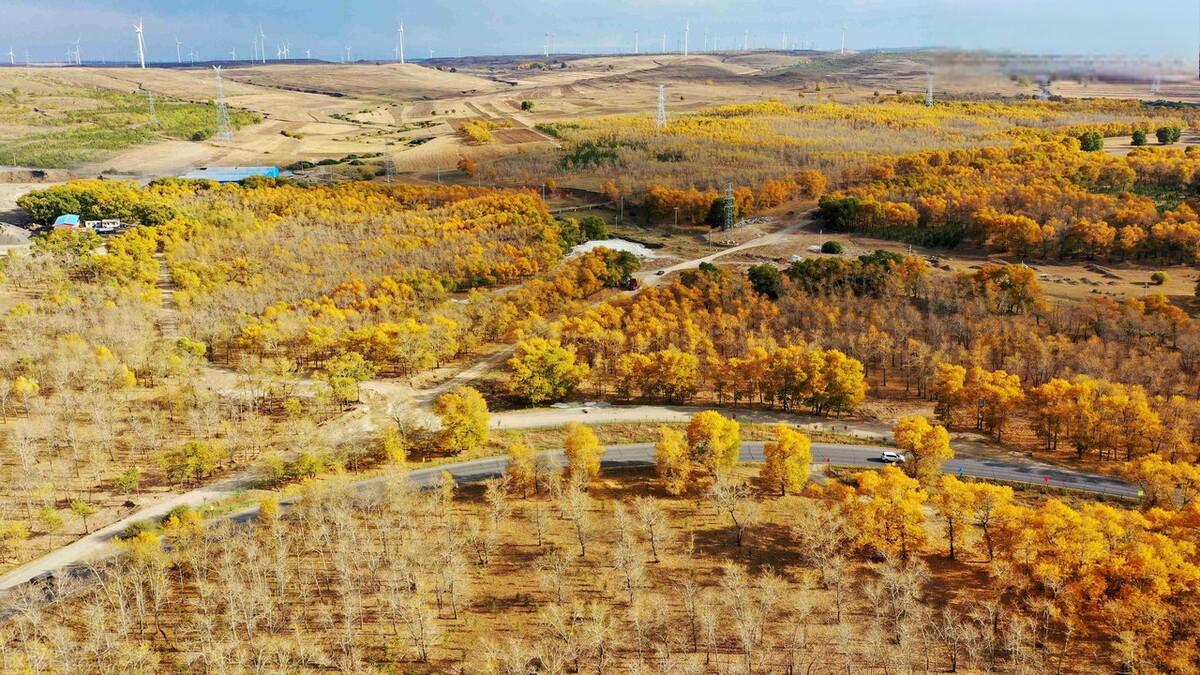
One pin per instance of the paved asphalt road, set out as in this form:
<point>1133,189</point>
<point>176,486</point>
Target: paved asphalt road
<point>640,455</point>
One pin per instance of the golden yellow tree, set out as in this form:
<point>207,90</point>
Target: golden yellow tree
<point>522,468</point>
<point>788,460</point>
<point>464,416</point>
<point>956,502</point>
<point>714,440</point>
<point>927,446</point>
<point>583,451</point>
<point>672,462</point>
<point>544,370</point>
<point>887,512</point>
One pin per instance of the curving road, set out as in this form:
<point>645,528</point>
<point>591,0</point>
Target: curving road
<point>94,546</point>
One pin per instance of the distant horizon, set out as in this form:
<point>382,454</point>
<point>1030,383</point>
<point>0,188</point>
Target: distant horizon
<point>1065,59</point>
<point>475,28</point>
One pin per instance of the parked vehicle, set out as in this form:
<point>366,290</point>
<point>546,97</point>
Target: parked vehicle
<point>890,457</point>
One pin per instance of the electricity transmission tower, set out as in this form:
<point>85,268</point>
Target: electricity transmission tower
<point>729,203</point>
<point>660,120</point>
<point>153,111</point>
<point>224,132</point>
<point>929,93</point>
<point>389,168</point>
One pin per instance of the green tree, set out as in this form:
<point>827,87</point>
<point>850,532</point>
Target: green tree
<point>51,521</point>
<point>12,533</point>
<point>342,375</point>
<point>464,416</point>
<point>192,462</point>
<point>526,105</point>
<point>1159,278</point>
<point>1091,141</point>
<point>1139,137</point>
<point>766,280</point>
<point>716,212</point>
<point>128,480</point>
<point>593,227</point>
<point>83,511</point>
<point>1168,135</point>
<point>834,247</point>
<point>544,371</point>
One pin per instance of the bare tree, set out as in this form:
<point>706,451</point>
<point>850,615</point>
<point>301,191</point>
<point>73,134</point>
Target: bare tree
<point>539,519</point>
<point>732,497</point>
<point>654,524</point>
<point>554,573</point>
<point>575,505</point>
<point>630,562</point>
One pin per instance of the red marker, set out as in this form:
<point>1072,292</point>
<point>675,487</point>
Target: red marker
<point>1046,479</point>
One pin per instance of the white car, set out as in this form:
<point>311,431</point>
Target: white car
<point>889,457</point>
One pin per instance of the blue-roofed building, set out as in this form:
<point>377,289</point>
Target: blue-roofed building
<point>231,174</point>
<point>67,220</point>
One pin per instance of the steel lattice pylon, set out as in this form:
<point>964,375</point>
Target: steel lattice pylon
<point>224,130</point>
<point>660,120</point>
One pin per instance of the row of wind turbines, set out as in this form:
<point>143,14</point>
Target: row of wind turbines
<point>283,51</point>
<point>711,42</point>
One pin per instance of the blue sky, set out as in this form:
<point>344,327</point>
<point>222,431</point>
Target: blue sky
<point>214,27</point>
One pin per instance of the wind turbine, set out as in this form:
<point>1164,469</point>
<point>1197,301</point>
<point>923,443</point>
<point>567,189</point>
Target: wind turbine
<point>233,54</point>
<point>178,55</point>
<point>141,43</point>
<point>308,53</point>
<point>635,43</point>
<point>256,47</point>
<point>546,46</point>
<point>687,27</point>
<point>262,40</point>
<point>664,44</point>
<point>400,44</point>
<point>347,54</point>
<point>843,39</point>
<point>78,62</point>
<point>12,57</point>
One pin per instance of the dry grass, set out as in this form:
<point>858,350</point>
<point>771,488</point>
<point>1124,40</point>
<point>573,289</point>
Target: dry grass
<point>326,589</point>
